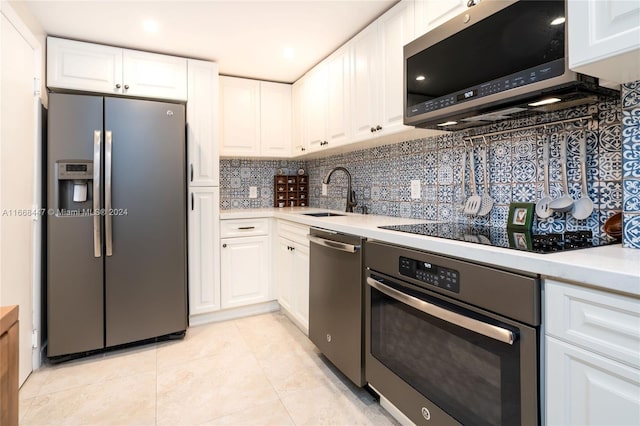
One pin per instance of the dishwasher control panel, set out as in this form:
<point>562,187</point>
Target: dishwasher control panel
<point>445,278</point>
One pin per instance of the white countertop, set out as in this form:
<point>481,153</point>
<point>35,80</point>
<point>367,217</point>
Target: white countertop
<point>610,267</point>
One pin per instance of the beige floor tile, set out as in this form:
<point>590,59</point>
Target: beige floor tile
<point>31,386</point>
<point>208,388</point>
<point>99,368</point>
<point>269,414</point>
<point>322,406</point>
<point>123,401</point>
<point>200,342</point>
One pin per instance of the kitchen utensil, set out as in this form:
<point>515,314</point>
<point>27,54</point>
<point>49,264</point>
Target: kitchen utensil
<point>486,202</point>
<point>472,206</point>
<point>565,202</point>
<point>613,226</point>
<point>463,173</point>
<point>583,206</point>
<point>542,206</point>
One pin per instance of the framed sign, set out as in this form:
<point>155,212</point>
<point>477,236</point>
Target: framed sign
<point>520,216</point>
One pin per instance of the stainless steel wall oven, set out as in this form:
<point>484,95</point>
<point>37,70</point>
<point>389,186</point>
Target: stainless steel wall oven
<point>451,342</point>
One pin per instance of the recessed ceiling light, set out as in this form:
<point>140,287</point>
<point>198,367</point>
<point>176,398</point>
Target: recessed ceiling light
<point>558,21</point>
<point>288,53</point>
<point>545,102</point>
<point>150,26</point>
<point>420,77</point>
<point>448,123</point>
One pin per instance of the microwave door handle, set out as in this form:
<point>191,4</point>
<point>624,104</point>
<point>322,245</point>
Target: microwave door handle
<point>471,324</point>
<point>97,235</point>
<point>336,245</point>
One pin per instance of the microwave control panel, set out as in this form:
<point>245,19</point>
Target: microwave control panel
<point>441,277</point>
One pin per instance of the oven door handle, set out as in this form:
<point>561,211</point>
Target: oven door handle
<point>488,330</point>
<point>337,245</point>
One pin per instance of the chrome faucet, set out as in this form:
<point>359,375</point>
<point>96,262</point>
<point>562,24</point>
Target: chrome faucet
<point>351,195</point>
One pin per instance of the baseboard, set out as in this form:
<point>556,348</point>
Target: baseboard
<point>233,313</point>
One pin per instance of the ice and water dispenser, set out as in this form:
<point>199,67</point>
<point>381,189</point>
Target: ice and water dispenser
<point>74,187</point>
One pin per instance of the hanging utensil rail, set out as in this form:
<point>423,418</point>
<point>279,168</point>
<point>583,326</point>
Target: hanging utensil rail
<point>534,126</point>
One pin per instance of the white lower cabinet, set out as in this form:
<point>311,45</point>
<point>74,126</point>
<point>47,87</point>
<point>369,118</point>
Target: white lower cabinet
<point>588,389</point>
<point>292,274</point>
<point>245,263</point>
<point>592,348</point>
<point>204,256</point>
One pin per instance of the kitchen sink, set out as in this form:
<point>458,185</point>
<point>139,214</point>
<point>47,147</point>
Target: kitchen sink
<point>323,214</point>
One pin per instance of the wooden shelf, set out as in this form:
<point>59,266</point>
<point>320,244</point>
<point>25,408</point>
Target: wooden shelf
<point>290,191</point>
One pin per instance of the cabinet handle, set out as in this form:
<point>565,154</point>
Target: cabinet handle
<point>191,172</point>
<point>244,228</point>
<point>192,201</point>
<point>304,149</point>
<point>126,87</point>
<point>224,246</point>
<point>118,86</point>
<point>378,127</point>
<point>373,129</point>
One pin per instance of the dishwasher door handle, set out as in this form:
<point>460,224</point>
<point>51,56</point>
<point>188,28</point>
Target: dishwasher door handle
<point>471,324</point>
<point>337,245</point>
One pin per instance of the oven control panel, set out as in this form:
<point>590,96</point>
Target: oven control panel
<point>445,278</point>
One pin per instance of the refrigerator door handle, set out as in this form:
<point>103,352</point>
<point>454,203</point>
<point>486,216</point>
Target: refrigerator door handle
<point>97,235</point>
<point>107,192</point>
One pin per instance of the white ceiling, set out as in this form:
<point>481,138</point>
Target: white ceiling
<point>246,38</point>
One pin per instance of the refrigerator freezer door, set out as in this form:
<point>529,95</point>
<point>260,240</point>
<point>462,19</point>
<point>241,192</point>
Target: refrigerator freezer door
<point>75,315</point>
<point>145,275</point>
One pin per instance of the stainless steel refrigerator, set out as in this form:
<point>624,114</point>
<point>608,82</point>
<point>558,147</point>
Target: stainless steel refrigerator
<point>116,222</point>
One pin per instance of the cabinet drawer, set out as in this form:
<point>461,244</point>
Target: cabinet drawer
<point>231,228</point>
<point>598,321</point>
<point>294,232</point>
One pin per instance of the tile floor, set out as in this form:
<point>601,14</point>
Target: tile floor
<point>258,370</point>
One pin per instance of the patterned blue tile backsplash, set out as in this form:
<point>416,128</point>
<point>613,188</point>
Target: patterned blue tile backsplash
<point>631,164</point>
<point>382,175</point>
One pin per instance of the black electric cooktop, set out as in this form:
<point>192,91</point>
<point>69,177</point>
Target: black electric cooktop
<point>531,241</point>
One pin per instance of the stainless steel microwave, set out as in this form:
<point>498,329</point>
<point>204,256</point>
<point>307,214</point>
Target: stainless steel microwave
<point>499,59</point>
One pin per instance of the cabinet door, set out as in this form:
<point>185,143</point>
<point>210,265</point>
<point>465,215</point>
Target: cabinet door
<point>604,39</point>
<point>395,30</point>
<point>202,123</point>
<point>339,94</point>
<point>245,271</point>
<point>301,285</point>
<point>204,255</point>
<point>275,119</point>
<point>586,389</point>
<point>284,276</point>
<point>83,66</point>
<point>316,95</point>
<point>240,116</point>
<point>299,116</point>
<point>151,75</point>
<point>365,83</point>
<point>431,13</point>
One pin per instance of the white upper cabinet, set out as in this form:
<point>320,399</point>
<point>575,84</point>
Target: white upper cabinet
<point>275,119</point>
<point>300,143</point>
<point>339,104</point>
<point>151,75</point>
<point>396,28</point>
<point>255,118</point>
<point>96,68</point>
<point>83,66</point>
<point>365,83</point>
<point>604,39</point>
<point>317,106</point>
<point>202,123</point>
<point>377,73</point>
<point>431,13</point>
<point>240,116</point>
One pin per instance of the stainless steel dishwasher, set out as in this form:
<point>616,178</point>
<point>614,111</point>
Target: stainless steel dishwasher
<point>336,310</point>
